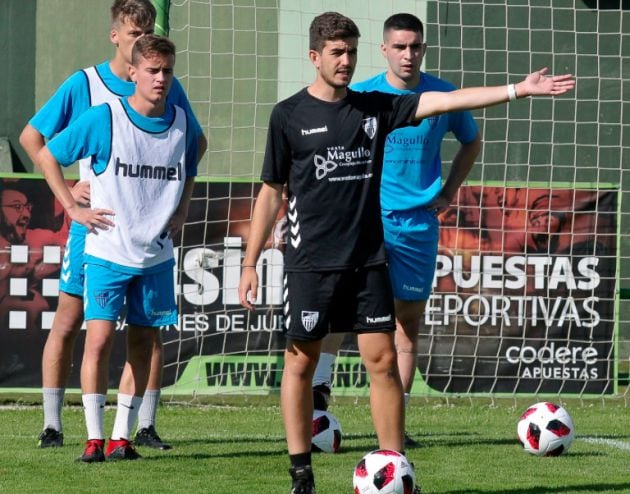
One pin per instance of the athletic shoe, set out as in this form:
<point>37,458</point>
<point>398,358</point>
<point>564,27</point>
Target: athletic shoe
<point>121,449</point>
<point>303,481</point>
<point>50,438</point>
<point>321,397</point>
<point>93,451</point>
<point>410,442</point>
<point>149,437</point>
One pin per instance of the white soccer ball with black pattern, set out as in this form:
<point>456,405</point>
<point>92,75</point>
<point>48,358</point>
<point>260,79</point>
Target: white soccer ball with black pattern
<point>384,472</point>
<point>326,432</point>
<point>546,429</point>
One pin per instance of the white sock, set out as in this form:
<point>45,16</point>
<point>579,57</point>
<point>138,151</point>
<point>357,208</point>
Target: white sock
<point>148,409</point>
<point>126,415</point>
<point>407,396</point>
<point>324,370</point>
<point>53,402</point>
<point>94,409</point>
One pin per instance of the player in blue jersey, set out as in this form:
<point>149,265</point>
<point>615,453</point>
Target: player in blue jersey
<point>326,143</point>
<point>144,158</point>
<point>412,195</point>
<point>104,82</point>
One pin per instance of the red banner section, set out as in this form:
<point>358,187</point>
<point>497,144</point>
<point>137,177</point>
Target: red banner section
<point>523,295</point>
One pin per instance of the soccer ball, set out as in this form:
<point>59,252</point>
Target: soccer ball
<point>545,429</point>
<point>326,432</point>
<point>384,472</point>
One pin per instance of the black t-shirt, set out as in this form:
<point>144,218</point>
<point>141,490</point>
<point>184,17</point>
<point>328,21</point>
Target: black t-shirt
<point>331,157</point>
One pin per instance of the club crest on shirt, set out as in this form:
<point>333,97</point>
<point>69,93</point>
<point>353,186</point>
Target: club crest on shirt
<point>102,298</point>
<point>309,319</point>
<point>369,126</point>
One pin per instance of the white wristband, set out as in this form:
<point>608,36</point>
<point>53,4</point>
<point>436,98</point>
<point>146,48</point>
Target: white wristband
<point>511,92</point>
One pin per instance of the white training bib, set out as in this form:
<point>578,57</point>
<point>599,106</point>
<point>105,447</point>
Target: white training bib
<point>99,94</point>
<point>142,183</point>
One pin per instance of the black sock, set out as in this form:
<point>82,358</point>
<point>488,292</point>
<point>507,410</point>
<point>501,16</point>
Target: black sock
<point>300,460</point>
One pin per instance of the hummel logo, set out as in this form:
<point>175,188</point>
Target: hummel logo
<point>170,173</point>
<point>378,319</point>
<point>317,130</point>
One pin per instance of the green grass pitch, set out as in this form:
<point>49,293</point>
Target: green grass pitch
<point>236,445</point>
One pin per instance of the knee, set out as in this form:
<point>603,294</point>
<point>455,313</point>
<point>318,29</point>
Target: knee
<point>300,366</point>
<point>97,349</point>
<point>385,365</point>
<point>67,322</point>
<point>406,339</point>
<point>140,353</point>
<point>142,342</point>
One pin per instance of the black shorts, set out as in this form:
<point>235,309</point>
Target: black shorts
<point>357,300</point>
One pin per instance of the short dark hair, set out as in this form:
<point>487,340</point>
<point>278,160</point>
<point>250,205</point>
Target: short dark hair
<point>142,13</point>
<point>403,22</point>
<point>150,45</point>
<point>331,26</point>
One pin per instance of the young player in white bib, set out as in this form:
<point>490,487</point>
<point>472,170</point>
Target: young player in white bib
<point>89,87</point>
<point>144,160</point>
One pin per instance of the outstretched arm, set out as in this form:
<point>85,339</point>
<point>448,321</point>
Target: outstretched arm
<point>535,84</point>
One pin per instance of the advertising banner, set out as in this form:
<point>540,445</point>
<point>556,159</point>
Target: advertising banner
<point>523,295</point>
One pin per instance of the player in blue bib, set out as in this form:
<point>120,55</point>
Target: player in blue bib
<point>86,88</point>
<point>412,194</point>
<point>143,158</point>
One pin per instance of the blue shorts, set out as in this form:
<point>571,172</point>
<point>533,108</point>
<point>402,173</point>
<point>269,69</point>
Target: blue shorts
<point>150,297</point>
<point>411,242</point>
<point>71,278</point>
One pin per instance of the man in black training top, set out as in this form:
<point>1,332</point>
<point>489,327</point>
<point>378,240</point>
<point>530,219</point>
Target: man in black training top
<point>326,143</point>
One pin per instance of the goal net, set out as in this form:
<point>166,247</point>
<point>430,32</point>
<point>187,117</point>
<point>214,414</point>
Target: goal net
<point>531,260</point>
